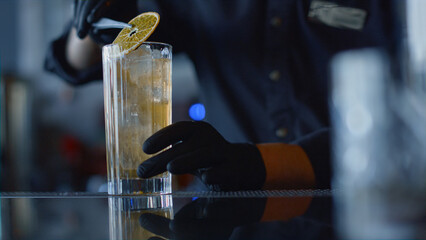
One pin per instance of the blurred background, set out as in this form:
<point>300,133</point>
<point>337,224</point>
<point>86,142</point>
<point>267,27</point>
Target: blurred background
<point>52,134</point>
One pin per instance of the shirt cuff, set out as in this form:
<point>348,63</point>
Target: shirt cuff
<point>287,167</point>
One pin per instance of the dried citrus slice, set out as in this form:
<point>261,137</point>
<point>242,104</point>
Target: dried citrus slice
<point>143,26</point>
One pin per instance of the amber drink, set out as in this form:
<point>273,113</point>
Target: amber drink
<point>137,94</point>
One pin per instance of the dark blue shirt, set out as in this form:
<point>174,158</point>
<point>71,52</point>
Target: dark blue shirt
<point>263,64</point>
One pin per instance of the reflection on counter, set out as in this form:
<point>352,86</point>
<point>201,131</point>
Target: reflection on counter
<point>223,218</point>
<point>70,217</point>
<point>124,215</point>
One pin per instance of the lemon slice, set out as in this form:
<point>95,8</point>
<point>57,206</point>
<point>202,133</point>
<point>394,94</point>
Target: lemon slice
<point>143,26</point>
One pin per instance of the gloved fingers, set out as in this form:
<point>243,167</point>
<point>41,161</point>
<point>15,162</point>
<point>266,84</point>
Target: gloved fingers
<point>78,5</point>
<point>172,134</point>
<point>157,164</point>
<point>201,158</point>
<point>202,133</point>
<point>75,7</point>
<point>98,11</point>
<point>156,224</point>
<point>82,9</point>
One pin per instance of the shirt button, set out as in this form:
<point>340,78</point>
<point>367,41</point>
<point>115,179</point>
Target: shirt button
<point>281,132</point>
<point>275,75</point>
<point>276,21</point>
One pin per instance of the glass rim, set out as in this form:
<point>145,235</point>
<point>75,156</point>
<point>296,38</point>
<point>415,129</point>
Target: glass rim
<point>151,43</point>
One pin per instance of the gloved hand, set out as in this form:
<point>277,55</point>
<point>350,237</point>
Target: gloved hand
<point>87,12</point>
<point>199,149</point>
<point>206,218</point>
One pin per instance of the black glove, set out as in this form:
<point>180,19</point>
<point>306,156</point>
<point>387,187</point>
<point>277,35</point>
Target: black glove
<point>199,149</point>
<point>206,218</point>
<point>87,12</point>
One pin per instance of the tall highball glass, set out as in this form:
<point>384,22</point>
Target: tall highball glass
<point>137,95</point>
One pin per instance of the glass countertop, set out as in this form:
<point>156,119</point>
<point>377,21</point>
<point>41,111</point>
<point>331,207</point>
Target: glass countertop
<point>178,194</point>
<point>304,214</point>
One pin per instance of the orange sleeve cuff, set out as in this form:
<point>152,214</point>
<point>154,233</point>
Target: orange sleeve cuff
<point>287,167</point>
<point>282,209</point>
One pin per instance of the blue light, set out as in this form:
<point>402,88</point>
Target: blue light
<point>197,112</point>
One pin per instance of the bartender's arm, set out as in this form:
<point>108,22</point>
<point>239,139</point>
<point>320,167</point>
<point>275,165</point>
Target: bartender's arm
<point>76,55</point>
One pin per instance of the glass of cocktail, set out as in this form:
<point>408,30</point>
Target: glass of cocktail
<point>137,94</point>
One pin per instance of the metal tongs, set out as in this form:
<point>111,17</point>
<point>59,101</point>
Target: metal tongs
<point>105,23</point>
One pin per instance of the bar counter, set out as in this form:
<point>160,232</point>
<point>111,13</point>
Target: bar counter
<point>302,214</point>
